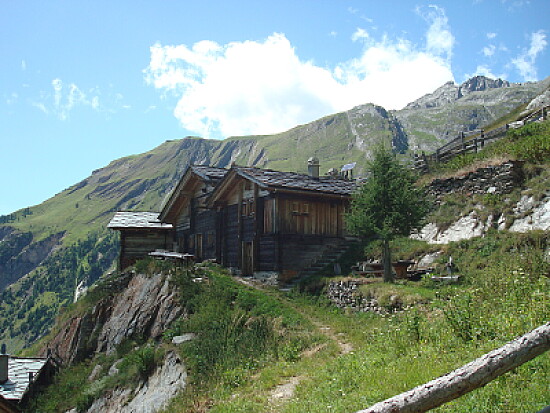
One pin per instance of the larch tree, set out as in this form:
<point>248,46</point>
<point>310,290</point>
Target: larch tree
<point>387,205</point>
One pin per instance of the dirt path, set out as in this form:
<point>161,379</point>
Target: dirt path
<point>285,391</point>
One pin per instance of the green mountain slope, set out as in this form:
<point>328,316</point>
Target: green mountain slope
<point>43,255</point>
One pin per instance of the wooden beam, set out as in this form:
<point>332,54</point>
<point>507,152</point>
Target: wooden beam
<point>469,377</point>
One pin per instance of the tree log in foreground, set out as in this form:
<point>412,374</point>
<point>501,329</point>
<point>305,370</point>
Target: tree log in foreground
<point>469,377</point>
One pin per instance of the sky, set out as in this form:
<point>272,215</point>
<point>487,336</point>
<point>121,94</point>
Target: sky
<point>85,82</point>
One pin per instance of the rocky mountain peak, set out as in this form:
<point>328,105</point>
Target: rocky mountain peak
<point>450,92</point>
<point>480,83</point>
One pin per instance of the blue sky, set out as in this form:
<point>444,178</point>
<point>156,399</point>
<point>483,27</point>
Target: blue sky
<point>85,82</point>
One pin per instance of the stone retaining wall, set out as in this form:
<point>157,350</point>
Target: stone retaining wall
<point>496,179</point>
<point>346,294</point>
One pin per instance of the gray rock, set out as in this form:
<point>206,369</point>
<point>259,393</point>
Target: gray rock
<point>183,338</point>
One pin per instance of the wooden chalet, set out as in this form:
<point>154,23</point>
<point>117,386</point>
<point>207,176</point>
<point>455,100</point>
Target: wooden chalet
<point>186,210</point>
<point>255,221</point>
<point>277,222</point>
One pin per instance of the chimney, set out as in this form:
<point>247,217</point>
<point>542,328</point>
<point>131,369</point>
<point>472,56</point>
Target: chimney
<point>3,365</point>
<point>313,167</point>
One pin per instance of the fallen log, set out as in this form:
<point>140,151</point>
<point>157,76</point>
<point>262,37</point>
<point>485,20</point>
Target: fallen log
<point>468,377</point>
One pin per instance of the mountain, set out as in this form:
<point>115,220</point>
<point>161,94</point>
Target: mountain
<point>49,251</point>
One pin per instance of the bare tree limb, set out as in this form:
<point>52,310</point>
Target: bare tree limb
<point>469,377</point>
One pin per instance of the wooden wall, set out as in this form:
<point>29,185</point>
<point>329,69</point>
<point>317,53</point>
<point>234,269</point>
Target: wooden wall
<point>137,244</point>
<point>310,217</point>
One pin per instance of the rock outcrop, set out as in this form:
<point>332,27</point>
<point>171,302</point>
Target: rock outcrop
<point>148,396</point>
<point>135,305</point>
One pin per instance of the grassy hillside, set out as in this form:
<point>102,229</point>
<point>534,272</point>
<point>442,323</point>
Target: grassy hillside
<point>259,350</point>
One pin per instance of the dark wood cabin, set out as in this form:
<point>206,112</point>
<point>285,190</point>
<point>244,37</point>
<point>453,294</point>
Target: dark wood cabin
<point>255,221</point>
<point>186,210</point>
<point>140,234</point>
<point>277,222</point>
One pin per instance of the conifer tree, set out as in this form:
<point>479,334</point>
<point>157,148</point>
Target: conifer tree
<point>387,205</point>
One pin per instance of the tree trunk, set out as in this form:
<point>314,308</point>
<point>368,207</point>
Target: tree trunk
<point>386,258</point>
<point>469,377</point>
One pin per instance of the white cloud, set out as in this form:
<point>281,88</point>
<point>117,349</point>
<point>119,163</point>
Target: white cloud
<point>489,51</point>
<point>95,102</point>
<point>359,34</point>
<point>40,106</point>
<point>525,62</point>
<point>491,36</point>
<point>484,70</point>
<point>260,87</point>
<point>23,65</point>
<point>65,97</point>
<point>439,39</point>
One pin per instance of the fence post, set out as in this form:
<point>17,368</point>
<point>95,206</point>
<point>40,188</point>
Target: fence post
<point>437,155</point>
<point>543,113</point>
<point>475,145</point>
<point>482,137</point>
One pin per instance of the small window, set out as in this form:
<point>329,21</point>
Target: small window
<point>305,208</point>
<point>295,208</point>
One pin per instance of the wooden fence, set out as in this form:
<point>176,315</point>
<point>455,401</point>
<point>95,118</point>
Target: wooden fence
<point>473,141</point>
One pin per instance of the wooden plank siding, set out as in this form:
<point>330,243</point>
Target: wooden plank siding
<point>231,243</point>
<point>137,244</point>
<point>311,217</point>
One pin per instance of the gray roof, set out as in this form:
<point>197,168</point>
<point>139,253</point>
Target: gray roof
<point>137,220</point>
<point>211,173</point>
<point>18,376</point>
<point>299,182</point>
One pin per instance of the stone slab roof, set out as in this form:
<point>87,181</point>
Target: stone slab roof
<point>209,172</point>
<point>137,220</point>
<point>18,376</point>
<point>296,181</point>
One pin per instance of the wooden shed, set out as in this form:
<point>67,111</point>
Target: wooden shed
<point>140,233</point>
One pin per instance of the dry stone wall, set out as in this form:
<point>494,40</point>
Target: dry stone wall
<point>495,179</point>
<point>346,294</point>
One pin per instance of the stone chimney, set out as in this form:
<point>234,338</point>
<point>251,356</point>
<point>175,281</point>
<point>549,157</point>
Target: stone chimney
<point>3,365</point>
<point>313,167</point>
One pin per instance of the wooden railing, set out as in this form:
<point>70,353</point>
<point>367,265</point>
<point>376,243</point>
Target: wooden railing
<point>472,141</point>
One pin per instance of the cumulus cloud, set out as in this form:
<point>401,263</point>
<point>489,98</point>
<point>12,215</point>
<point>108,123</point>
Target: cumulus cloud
<point>525,62</point>
<point>260,87</point>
